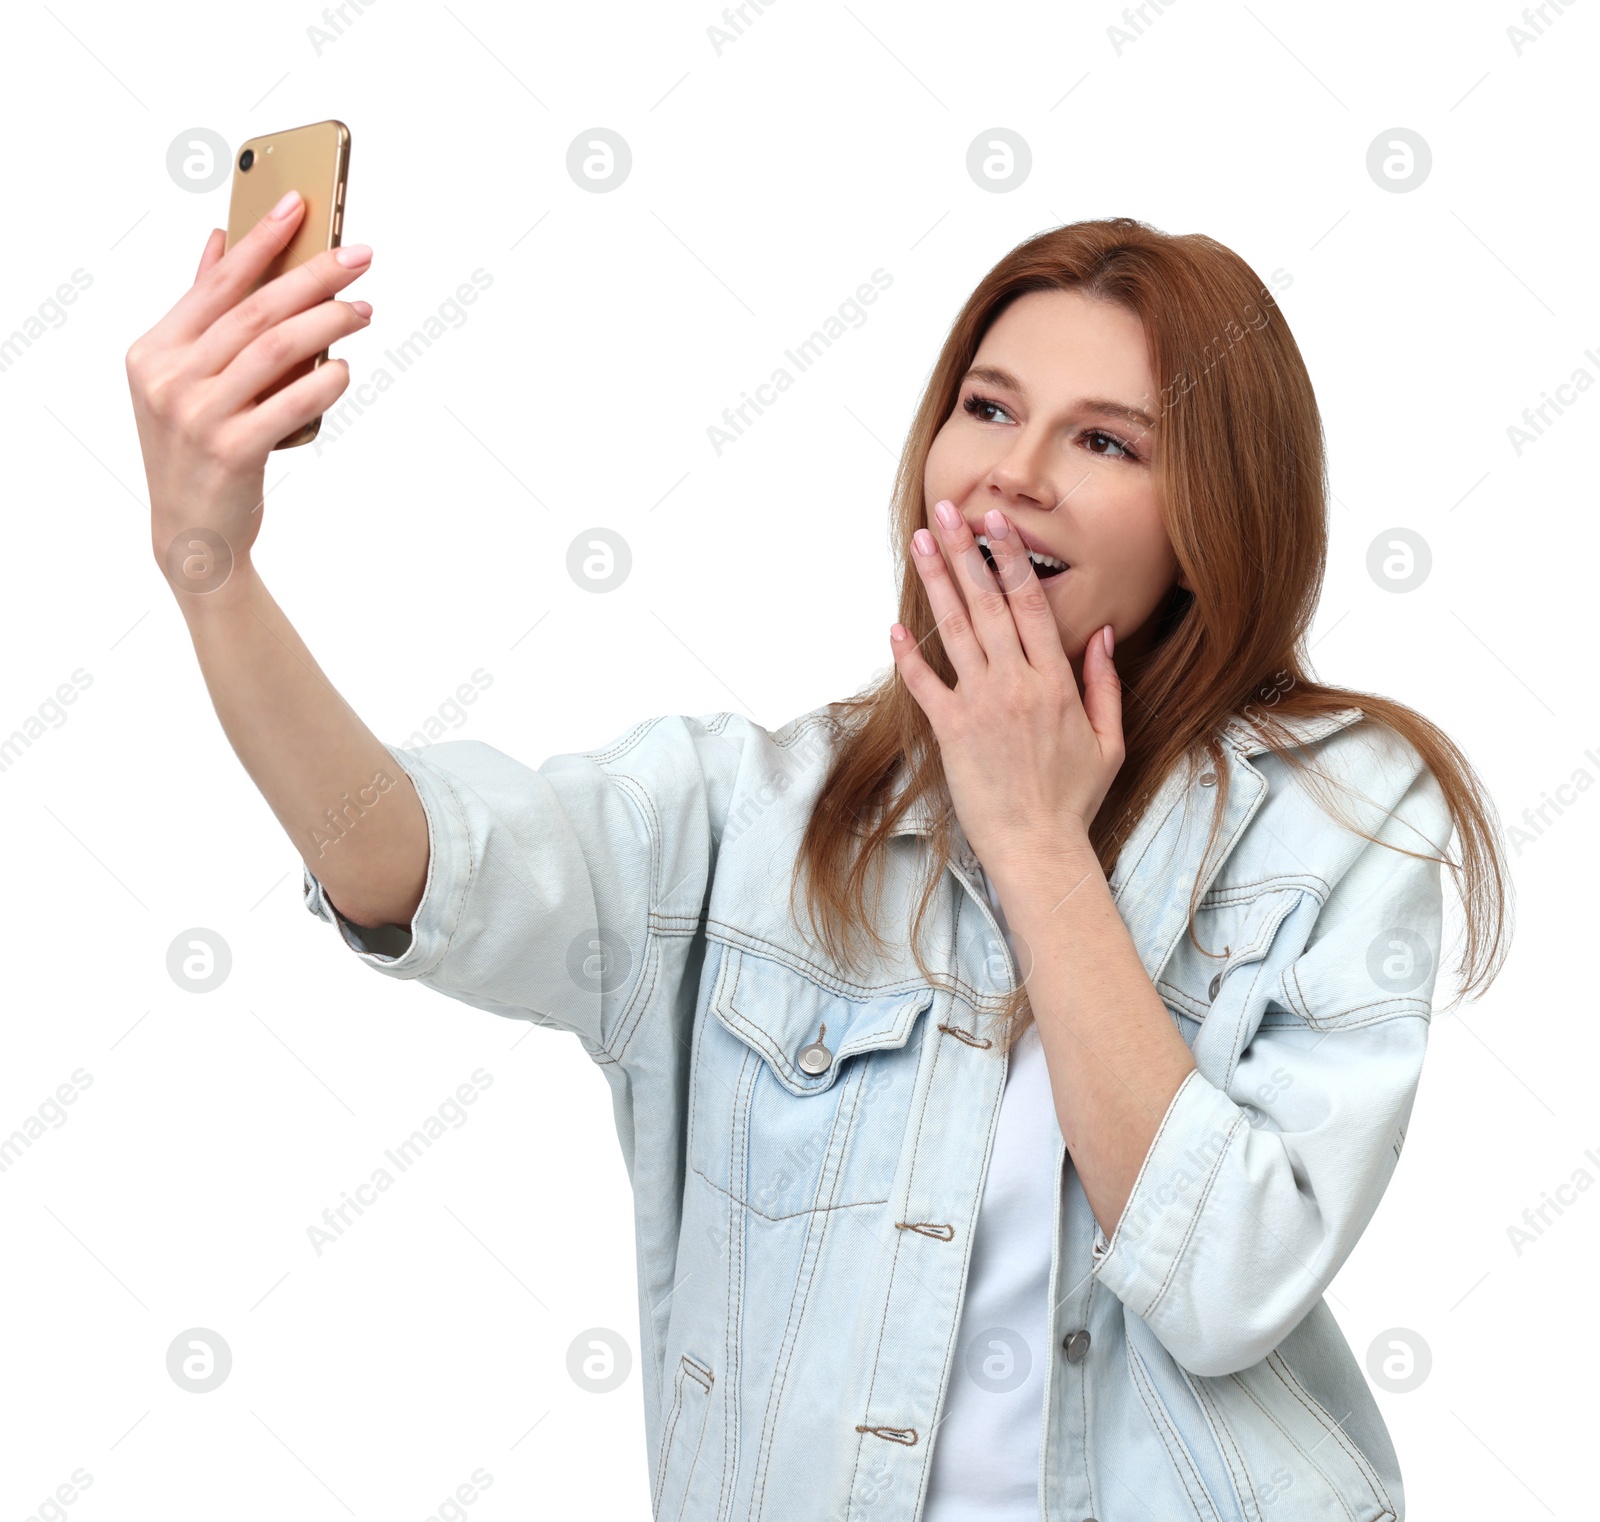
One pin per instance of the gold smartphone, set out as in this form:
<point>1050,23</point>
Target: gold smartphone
<point>315,160</point>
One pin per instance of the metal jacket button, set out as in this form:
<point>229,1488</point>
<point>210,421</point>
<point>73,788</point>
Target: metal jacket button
<point>1216,983</point>
<point>1208,779</point>
<point>815,1058</point>
<point>1077,1345</point>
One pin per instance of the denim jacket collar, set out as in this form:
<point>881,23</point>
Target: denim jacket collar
<point>1243,738</point>
<point>1166,843</point>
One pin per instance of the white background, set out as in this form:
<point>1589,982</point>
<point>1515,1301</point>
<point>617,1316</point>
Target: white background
<point>768,182</point>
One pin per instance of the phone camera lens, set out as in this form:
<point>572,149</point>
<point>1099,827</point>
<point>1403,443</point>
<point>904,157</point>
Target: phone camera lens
<point>247,158</point>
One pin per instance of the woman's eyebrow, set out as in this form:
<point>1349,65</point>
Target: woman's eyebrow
<point>1104,406</point>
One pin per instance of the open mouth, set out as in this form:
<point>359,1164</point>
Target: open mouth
<point>1044,566</point>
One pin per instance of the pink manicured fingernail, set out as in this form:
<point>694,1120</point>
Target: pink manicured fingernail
<point>351,256</point>
<point>363,307</point>
<point>1110,640</point>
<point>947,514</point>
<point>291,199</point>
<point>995,521</point>
<point>924,542</point>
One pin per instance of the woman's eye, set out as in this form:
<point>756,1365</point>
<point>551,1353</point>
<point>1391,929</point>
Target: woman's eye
<point>981,406</point>
<point>1124,451</point>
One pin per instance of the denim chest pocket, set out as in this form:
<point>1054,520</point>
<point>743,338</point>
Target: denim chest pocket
<point>801,1093</point>
<point>1235,928</point>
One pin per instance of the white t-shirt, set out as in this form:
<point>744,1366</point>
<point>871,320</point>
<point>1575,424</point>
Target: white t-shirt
<point>986,1448</point>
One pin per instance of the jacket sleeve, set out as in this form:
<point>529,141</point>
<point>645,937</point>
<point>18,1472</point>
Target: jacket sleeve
<point>547,886</point>
<point>1257,1187</point>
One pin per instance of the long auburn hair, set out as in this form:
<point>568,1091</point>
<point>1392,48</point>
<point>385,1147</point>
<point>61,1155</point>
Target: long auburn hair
<point>1243,487</point>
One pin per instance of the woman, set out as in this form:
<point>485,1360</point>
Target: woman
<point>1005,1059</point>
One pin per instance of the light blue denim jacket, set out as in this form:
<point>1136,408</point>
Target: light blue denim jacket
<point>807,1148</point>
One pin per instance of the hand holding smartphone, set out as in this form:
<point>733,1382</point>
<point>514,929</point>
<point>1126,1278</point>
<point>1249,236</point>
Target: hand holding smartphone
<point>234,370</point>
<point>314,160</point>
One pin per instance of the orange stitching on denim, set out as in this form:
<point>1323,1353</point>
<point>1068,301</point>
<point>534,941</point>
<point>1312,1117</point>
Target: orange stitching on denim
<point>1305,1453</point>
<point>815,1232</point>
<point>962,1035</point>
<point>1167,1433</point>
<point>943,1230</point>
<point>1199,1209</point>
<point>894,1262</point>
<point>697,1372</point>
<point>1280,1366</point>
<point>1232,1454</point>
<point>905,1435</point>
<point>666,1440</point>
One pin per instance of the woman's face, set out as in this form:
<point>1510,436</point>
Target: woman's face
<point>1055,426</point>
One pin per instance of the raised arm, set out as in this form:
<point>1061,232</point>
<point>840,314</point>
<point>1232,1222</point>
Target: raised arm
<point>195,378</point>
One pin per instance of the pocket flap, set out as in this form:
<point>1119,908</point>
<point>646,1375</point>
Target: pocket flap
<point>1236,926</point>
<point>778,1011</point>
